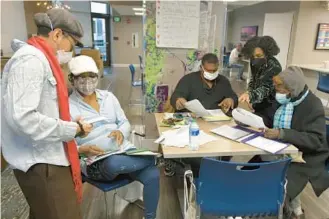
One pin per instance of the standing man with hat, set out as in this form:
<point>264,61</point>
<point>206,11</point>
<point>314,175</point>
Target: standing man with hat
<point>37,133</point>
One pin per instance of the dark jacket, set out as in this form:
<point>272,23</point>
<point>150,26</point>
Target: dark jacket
<point>261,89</point>
<point>308,134</point>
<point>192,87</point>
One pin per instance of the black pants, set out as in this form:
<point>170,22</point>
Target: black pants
<point>267,111</point>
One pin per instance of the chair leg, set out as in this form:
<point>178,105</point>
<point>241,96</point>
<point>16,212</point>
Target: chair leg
<point>198,212</point>
<point>106,206</point>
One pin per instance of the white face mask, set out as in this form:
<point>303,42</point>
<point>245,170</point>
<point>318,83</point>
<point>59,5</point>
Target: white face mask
<point>210,76</point>
<point>86,86</point>
<point>64,57</point>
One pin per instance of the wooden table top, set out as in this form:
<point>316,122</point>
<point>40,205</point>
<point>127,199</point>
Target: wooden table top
<point>221,147</point>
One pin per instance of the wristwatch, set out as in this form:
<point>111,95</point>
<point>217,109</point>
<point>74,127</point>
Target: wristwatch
<point>82,131</point>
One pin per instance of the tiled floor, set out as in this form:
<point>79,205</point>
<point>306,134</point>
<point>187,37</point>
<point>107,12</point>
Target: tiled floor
<point>13,204</point>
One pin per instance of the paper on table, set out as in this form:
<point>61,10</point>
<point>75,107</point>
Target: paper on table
<point>180,137</point>
<point>248,118</point>
<point>267,144</point>
<point>230,132</point>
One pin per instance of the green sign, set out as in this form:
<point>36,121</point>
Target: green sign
<point>116,19</point>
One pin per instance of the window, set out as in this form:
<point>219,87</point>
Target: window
<point>100,8</point>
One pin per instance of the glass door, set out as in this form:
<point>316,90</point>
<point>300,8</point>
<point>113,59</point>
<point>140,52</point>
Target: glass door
<point>101,37</point>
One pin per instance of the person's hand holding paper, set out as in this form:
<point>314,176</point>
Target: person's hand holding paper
<point>180,103</point>
<point>227,104</point>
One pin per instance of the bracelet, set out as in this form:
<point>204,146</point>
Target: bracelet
<point>82,131</point>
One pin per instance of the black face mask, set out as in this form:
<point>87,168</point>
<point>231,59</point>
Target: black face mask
<point>257,62</point>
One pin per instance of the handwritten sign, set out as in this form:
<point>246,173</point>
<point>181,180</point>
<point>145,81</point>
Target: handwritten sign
<point>177,24</point>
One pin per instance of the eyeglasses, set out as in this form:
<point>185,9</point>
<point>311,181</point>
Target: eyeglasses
<point>73,42</point>
<point>87,74</point>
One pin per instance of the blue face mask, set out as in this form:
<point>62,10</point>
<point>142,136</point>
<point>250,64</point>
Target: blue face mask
<point>282,98</point>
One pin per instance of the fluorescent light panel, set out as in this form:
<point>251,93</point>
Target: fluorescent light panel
<point>139,13</point>
<point>138,9</point>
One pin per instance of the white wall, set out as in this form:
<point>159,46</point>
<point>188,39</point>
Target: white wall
<point>254,15</point>
<point>13,24</point>
<point>81,10</point>
<point>123,52</point>
<point>310,15</point>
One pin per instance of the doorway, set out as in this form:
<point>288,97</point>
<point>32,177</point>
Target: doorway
<point>100,21</point>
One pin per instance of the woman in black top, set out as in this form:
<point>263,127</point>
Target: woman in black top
<point>261,93</point>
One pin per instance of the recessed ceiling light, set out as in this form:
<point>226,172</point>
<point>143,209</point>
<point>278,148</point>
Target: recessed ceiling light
<point>139,9</point>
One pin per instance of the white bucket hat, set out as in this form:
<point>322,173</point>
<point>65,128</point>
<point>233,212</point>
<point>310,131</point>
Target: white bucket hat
<point>82,64</point>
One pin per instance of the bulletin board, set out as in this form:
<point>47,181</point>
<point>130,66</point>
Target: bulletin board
<point>177,24</point>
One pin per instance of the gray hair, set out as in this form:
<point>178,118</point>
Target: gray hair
<point>293,79</point>
<point>238,44</point>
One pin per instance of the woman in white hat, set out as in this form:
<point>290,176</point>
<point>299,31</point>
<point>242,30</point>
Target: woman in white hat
<point>110,132</point>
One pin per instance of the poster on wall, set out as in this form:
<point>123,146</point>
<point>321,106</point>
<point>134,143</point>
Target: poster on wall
<point>322,39</point>
<point>248,33</point>
<point>162,94</point>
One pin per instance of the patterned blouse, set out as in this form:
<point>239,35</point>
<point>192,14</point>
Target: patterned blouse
<point>261,86</point>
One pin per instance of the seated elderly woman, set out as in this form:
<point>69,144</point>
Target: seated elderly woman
<point>110,132</point>
<point>300,121</point>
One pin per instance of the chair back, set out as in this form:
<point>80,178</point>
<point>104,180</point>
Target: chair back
<point>327,128</point>
<point>227,190</point>
<point>323,83</point>
<point>132,71</point>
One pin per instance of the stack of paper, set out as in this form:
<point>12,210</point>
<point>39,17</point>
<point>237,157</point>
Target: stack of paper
<point>248,118</point>
<point>209,115</point>
<point>180,138</point>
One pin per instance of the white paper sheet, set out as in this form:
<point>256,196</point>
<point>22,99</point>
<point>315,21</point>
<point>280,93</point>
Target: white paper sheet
<point>248,118</point>
<point>230,132</point>
<point>96,119</point>
<point>196,107</point>
<point>180,137</point>
<point>209,115</point>
<point>267,144</point>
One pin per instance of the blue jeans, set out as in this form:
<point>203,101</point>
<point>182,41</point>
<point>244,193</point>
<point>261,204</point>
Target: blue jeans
<point>240,67</point>
<point>140,168</point>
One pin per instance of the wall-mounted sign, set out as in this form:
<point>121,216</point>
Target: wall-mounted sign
<point>322,39</point>
<point>116,19</point>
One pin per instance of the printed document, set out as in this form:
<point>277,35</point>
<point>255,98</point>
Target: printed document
<point>196,107</point>
<point>248,118</point>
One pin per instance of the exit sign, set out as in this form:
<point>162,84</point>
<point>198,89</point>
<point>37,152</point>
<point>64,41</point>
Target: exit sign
<point>117,19</point>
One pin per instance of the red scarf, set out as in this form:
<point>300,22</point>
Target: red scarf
<point>63,102</point>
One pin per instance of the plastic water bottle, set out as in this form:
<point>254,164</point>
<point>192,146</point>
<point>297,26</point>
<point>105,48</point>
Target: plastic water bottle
<point>194,135</point>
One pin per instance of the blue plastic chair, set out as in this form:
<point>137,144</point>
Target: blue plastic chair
<point>133,72</point>
<point>108,186</point>
<point>327,141</point>
<point>323,83</point>
<point>224,189</point>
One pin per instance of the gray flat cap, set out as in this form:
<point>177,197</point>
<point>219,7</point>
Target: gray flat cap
<point>62,19</point>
